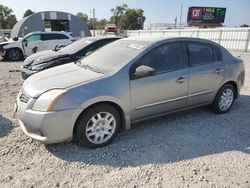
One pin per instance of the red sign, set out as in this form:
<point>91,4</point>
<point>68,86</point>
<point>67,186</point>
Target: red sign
<point>196,13</point>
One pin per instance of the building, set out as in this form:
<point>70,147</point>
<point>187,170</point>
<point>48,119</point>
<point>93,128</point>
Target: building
<point>51,21</point>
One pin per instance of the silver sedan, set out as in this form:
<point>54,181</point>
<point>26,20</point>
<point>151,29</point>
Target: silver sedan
<point>127,81</point>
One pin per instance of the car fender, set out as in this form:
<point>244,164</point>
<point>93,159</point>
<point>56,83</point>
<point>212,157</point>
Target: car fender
<point>14,45</point>
<point>108,99</point>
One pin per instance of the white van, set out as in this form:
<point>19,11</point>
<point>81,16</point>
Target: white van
<point>18,48</point>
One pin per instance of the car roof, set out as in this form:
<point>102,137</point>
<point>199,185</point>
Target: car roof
<point>155,39</point>
<point>98,38</point>
<point>49,32</point>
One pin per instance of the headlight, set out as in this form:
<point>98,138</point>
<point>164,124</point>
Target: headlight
<point>46,101</point>
<point>38,67</point>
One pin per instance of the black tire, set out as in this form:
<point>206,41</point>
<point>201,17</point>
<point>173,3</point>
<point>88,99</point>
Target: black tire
<point>216,104</point>
<point>14,54</point>
<point>80,134</point>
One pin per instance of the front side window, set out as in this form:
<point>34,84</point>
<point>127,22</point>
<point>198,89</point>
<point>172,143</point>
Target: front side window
<point>200,54</point>
<point>35,37</point>
<point>168,57</point>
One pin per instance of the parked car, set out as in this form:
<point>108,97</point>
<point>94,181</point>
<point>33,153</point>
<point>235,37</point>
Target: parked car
<point>110,28</point>
<point>127,81</point>
<point>73,52</point>
<point>17,48</point>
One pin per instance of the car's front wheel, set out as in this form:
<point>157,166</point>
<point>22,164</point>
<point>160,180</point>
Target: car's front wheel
<point>97,126</point>
<point>224,99</point>
<point>14,54</point>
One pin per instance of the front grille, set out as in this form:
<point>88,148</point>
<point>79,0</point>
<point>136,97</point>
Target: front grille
<point>24,98</point>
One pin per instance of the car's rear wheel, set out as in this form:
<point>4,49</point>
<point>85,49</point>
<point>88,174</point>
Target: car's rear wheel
<point>98,126</point>
<point>224,99</point>
<point>14,54</point>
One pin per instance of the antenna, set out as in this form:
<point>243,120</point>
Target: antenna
<point>181,14</point>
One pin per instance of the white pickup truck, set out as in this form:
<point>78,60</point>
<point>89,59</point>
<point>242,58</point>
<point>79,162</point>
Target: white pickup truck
<point>17,48</point>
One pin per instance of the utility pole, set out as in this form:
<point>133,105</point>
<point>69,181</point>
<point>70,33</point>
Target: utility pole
<point>181,14</point>
<point>93,22</point>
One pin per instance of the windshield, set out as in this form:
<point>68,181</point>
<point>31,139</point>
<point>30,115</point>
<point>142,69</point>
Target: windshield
<point>77,45</point>
<point>115,55</point>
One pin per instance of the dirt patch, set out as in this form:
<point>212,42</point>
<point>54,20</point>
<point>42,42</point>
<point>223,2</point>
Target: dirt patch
<point>189,149</point>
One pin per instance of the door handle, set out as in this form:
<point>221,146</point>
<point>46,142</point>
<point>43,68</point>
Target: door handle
<point>219,70</point>
<point>180,80</point>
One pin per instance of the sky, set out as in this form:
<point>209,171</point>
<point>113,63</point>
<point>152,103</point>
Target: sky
<point>156,11</point>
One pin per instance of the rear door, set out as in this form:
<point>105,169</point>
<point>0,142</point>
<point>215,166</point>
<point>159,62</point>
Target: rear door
<point>53,40</point>
<point>206,72</point>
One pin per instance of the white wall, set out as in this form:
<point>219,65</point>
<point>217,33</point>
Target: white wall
<point>237,39</point>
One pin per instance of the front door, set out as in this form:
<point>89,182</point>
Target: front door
<point>206,73</point>
<point>33,44</point>
<point>167,89</point>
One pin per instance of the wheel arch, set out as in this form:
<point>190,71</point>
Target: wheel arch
<point>113,104</point>
<point>18,48</point>
<point>235,85</point>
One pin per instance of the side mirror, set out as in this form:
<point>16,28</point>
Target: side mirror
<point>25,42</point>
<point>88,53</point>
<point>15,39</point>
<point>143,71</point>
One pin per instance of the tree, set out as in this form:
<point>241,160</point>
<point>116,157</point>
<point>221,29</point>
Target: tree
<point>244,25</point>
<point>7,19</point>
<point>126,18</point>
<point>90,23</point>
<point>133,19</point>
<point>118,13</point>
<point>84,17</point>
<point>28,13</point>
<point>101,24</point>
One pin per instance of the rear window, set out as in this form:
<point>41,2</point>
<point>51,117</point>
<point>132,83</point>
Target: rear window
<point>200,54</point>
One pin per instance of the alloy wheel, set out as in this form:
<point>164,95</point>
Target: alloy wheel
<point>100,128</point>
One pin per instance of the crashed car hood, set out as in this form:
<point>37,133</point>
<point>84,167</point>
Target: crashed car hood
<point>10,41</point>
<point>60,77</point>
<point>42,57</point>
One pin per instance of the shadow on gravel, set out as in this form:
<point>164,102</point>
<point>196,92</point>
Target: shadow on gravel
<point>182,136</point>
<point>5,126</point>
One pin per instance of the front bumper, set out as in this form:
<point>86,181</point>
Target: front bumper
<point>2,52</point>
<point>46,127</point>
<point>25,72</point>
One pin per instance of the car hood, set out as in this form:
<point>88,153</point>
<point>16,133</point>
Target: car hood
<point>9,41</point>
<point>60,77</point>
<point>42,57</point>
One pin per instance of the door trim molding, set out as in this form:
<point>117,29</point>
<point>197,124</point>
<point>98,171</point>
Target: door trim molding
<point>175,99</point>
<point>200,93</point>
<point>162,102</point>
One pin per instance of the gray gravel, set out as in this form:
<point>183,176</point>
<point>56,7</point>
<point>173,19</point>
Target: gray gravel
<point>195,148</point>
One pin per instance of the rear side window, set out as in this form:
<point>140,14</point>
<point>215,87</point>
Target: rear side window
<point>200,54</point>
<point>61,36</point>
<point>165,58</point>
<point>217,54</point>
<point>54,36</point>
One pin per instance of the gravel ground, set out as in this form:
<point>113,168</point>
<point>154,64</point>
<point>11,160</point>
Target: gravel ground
<point>195,148</point>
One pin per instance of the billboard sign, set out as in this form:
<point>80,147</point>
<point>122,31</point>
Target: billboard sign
<point>206,15</point>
